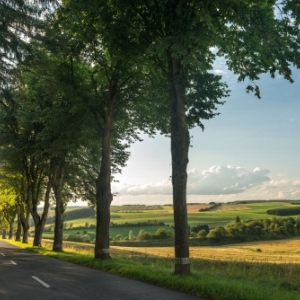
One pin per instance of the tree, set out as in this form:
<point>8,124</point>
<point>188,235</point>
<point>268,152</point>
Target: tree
<point>119,106</point>
<point>56,107</point>
<point>184,39</point>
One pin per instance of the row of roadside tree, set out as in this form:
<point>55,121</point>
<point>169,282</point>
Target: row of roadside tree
<point>81,79</point>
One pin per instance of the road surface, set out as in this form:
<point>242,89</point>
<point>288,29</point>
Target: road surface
<point>27,275</point>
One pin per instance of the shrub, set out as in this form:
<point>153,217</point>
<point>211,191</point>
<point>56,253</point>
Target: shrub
<point>217,233</point>
<point>130,235</point>
<point>202,234</point>
<point>199,227</point>
<point>117,237</point>
<point>144,236</point>
<point>86,238</point>
<point>160,234</point>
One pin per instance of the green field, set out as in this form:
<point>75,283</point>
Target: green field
<point>223,215</point>
<point>124,231</point>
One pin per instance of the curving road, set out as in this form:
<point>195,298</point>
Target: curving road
<point>27,275</point>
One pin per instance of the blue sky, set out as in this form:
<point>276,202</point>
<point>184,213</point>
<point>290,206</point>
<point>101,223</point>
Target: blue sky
<point>249,151</point>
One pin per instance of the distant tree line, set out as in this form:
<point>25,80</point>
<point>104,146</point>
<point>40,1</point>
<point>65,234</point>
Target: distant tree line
<point>138,224</point>
<point>284,211</point>
<point>240,231</point>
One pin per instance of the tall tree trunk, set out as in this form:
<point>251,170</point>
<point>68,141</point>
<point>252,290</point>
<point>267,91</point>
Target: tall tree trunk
<point>4,233</point>
<point>19,223</point>
<point>19,229</point>
<point>11,229</point>
<point>180,142</point>
<point>25,225</point>
<point>10,216</point>
<point>103,190</point>
<point>57,185</point>
<point>40,221</point>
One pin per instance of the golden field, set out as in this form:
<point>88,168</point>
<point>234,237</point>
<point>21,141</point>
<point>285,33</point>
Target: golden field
<point>281,251</point>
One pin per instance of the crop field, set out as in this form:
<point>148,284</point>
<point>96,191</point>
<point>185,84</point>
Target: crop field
<point>219,216</point>
<point>227,213</point>
<point>282,251</point>
<point>124,231</point>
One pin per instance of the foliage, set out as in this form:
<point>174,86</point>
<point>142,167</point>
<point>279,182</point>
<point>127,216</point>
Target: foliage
<point>86,212</point>
<point>160,234</point>
<point>20,21</point>
<point>83,238</point>
<point>275,228</point>
<point>200,227</point>
<point>284,211</point>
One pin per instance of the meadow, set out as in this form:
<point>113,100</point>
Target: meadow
<point>133,214</point>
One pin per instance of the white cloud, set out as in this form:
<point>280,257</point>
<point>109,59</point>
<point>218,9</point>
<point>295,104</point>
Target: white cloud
<point>273,189</point>
<point>219,71</point>
<point>217,180</point>
<point>220,180</point>
<point>160,188</point>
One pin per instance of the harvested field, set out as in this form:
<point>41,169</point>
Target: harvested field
<point>283,252</point>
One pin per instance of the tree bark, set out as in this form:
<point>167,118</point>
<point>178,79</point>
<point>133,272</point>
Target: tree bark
<point>180,142</point>
<point>25,225</point>
<point>103,190</point>
<point>19,223</point>
<point>40,221</point>
<point>11,229</point>
<point>57,185</point>
<point>19,228</point>
<point>10,215</point>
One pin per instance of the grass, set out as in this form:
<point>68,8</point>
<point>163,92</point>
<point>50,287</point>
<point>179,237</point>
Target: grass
<point>124,231</point>
<point>225,214</point>
<point>218,276</point>
<point>222,216</point>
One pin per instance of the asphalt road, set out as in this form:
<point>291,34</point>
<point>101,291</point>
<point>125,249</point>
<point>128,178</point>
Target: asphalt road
<point>27,275</point>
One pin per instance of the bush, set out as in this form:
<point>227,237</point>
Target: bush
<point>86,238</point>
<point>117,237</point>
<point>130,235</point>
<point>160,234</point>
<point>144,236</point>
<point>202,234</point>
<point>217,233</point>
<point>199,227</point>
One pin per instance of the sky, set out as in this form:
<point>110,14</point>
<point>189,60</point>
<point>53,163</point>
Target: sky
<point>249,152</point>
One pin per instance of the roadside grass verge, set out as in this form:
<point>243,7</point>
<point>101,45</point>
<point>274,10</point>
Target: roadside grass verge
<point>211,279</point>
